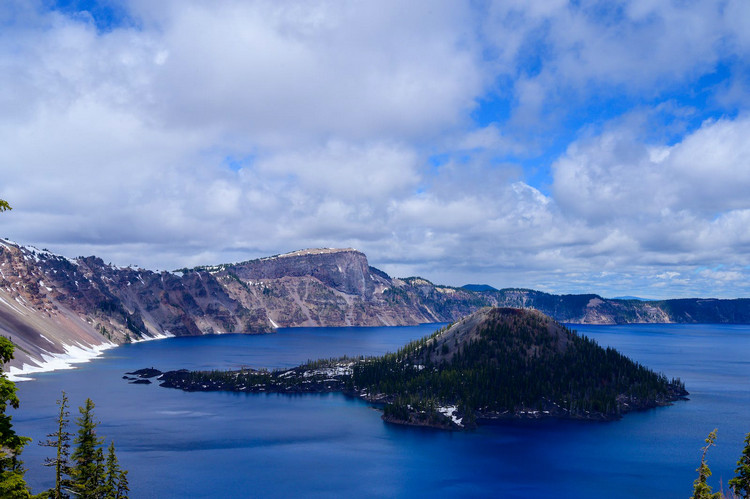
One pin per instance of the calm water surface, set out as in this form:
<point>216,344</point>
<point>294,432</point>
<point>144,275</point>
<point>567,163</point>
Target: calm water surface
<point>178,444</point>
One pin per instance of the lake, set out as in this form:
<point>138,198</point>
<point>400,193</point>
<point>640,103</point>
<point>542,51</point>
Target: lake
<point>179,444</point>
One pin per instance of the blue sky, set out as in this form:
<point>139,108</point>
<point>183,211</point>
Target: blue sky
<point>563,146</point>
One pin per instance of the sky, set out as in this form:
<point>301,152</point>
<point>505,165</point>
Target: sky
<point>570,147</point>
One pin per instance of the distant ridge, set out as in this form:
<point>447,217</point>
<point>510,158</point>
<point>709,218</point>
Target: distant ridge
<point>478,287</point>
<point>51,305</point>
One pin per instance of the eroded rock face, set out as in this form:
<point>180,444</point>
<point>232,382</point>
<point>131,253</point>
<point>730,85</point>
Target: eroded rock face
<point>346,271</point>
<point>49,303</point>
<point>332,287</point>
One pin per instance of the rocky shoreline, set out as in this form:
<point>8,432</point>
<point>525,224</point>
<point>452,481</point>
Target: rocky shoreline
<point>337,377</point>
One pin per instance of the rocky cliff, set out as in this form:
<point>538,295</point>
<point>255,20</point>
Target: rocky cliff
<point>57,309</point>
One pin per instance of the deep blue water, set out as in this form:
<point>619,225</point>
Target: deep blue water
<point>178,444</point>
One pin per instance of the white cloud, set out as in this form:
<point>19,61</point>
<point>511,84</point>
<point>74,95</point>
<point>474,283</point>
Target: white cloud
<point>303,69</point>
<point>724,276</point>
<point>683,205</point>
<point>560,52</point>
<point>200,132</point>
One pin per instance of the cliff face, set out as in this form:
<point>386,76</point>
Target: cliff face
<point>328,287</point>
<point>55,308</point>
<point>50,304</point>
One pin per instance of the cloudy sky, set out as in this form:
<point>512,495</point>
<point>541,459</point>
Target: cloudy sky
<point>563,146</point>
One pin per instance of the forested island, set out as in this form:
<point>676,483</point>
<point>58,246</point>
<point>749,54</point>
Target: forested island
<point>495,363</point>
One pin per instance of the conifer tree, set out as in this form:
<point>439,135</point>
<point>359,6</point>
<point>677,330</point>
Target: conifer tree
<point>88,467</point>
<point>60,440</point>
<point>701,489</point>
<point>100,475</point>
<point>740,484</point>
<point>116,485</point>
<point>12,483</point>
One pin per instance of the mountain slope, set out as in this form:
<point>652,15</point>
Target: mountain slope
<point>57,309</point>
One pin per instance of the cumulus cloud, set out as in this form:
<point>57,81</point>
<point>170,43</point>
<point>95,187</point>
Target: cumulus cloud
<point>556,52</point>
<point>191,132</point>
<point>307,70</point>
<point>677,205</point>
<point>693,191</point>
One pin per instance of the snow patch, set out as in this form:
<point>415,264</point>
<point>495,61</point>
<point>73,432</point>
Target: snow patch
<point>74,354</point>
<point>166,334</point>
<point>276,326</point>
<point>339,370</point>
<point>450,412</point>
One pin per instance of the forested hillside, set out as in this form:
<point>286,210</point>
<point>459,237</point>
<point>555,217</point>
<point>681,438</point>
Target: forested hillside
<point>505,362</point>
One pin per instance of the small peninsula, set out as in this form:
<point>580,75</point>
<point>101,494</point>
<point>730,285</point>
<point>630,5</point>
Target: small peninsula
<point>497,363</point>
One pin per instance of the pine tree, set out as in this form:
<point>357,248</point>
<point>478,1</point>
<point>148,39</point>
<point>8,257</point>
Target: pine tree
<point>60,440</point>
<point>100,475</point>
<point>740,484</point>
<point>116,485</point>
<point>122,485</point>
<point>88,459</point>
<point>12,483</point>
<point>701,489</point>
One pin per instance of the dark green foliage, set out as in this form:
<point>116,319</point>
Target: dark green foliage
<point>516,364</point>
<point>85,474</point>
<point>740,484</point>
<point>316,376</point>
<point>88,467</point>
<point>701,489</point>
<point>510,362</point>
<point>116,483</point>
<point>4,206</point>
<point>415,410</point>
<point>12,483</point>
<point>60,440</point>
<point>398,410</point>
<point>104,332</point>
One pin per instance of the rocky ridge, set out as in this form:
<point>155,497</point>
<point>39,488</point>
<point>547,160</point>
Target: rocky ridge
<point>58,309</point>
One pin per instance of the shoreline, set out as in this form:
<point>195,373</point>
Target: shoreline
<point>73,354</point>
